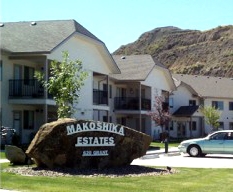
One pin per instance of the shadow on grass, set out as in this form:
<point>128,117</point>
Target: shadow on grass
<point>130,170</point>
<point>153,148</point>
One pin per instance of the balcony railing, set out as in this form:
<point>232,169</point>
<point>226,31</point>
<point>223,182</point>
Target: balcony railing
<point>100,97</point>
<point>25,88</point>
<point>131,103</point>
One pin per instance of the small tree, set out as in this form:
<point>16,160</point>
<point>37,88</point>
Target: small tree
<point>212,116</point>
<point>161,114</point>
<point>64,84</point>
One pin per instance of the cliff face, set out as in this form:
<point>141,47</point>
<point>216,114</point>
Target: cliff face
<point>188,51</point>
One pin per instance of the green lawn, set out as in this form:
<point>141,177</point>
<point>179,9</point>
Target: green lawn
<point>2,155</point>
<point>198,180</point>
<point>161,145</point>
<point>188,180</point>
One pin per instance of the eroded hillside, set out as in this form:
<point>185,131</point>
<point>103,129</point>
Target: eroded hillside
<point>188,51</point>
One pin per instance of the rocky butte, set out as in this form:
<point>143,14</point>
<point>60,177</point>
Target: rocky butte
<point>184,51</point>
<point>86,144</point>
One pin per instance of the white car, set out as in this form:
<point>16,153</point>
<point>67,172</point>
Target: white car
<point>219,142</point>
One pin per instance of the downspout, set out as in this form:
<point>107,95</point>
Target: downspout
<point>46,91</point>
<point>107,79</point>
<point>140,107</point>
<point>191,126</point>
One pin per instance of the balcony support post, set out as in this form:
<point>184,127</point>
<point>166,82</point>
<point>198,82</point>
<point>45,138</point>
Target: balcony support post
<point>46,71</point>
<point>140,107</point>
<point>107,77</point>
<point>45,113</point>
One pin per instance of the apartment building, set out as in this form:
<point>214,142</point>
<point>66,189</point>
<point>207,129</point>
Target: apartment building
<point>118,90</point>
<point>141,79</point>
<point>193,91</point>
<point>30,46</point>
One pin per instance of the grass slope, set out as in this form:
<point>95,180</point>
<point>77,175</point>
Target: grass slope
<point>186,180</point>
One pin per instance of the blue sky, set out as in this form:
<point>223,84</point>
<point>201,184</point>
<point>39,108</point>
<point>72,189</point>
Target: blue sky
<point>119,22</point>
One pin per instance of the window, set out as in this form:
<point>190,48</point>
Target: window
<point>143,93</point>
<point>194,125</point>
<point>105,118</point>
<point>171,104</point>
<point>110,91</point>
<point>28,75</point>
<point>221,125</point>
<point>105,87</point>
<point>171,125</point>
<point>217,104</point>
<point>110,119</point>
<point>28,72</point>
<point>229,136</point>
<point>231,106</point>
<point>219,136</point>
<point>121,121</point>
<point>223,136</point>
<point>28,119</point>
<point>231,125</point>
<point>192,102</point>
<point>123,92</point>
<point>17,119</point>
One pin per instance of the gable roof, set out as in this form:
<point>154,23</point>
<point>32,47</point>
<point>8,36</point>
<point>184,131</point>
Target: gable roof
<point>207,86</point>
<point>39,36</point>
<point>133,67</point>
<point>181,83</point>
<point>185,111</point>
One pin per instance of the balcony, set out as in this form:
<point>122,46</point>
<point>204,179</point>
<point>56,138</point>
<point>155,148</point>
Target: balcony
<point>131,103</point>
<point>25,88</point>
<point>100,97</point>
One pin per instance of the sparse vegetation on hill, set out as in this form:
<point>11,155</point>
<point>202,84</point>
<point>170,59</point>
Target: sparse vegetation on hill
<point>188,51</point>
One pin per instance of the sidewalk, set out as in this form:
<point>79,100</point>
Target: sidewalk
<point>4,160</point>
<point>172,151</point>
<point>160,151</point>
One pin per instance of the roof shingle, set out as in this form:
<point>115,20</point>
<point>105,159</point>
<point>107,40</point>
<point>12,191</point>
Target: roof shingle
<point>43,36</point>
<point>133,67</point>
<point>207,86</point>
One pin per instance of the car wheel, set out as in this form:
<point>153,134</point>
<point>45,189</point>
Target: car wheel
<point>194,151</point>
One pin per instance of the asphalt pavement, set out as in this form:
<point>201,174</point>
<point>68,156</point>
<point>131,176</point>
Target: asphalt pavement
<point>176,159</point>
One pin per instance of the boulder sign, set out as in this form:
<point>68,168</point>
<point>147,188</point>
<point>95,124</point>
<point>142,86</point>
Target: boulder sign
<point>86,144</point>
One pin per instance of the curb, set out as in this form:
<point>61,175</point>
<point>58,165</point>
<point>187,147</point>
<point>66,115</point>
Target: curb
<point>171,154</point>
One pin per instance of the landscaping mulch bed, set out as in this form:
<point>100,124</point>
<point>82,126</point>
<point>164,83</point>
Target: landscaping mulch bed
<point>126,171</point>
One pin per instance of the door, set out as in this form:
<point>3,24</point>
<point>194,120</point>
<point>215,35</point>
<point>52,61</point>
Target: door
<point>17,121</point>
<point>142,127</point>
<point>228,144</point>
<point>120,100</point>
<point>215,144</point>
<point>181,129</point>
<point>17,83</point>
